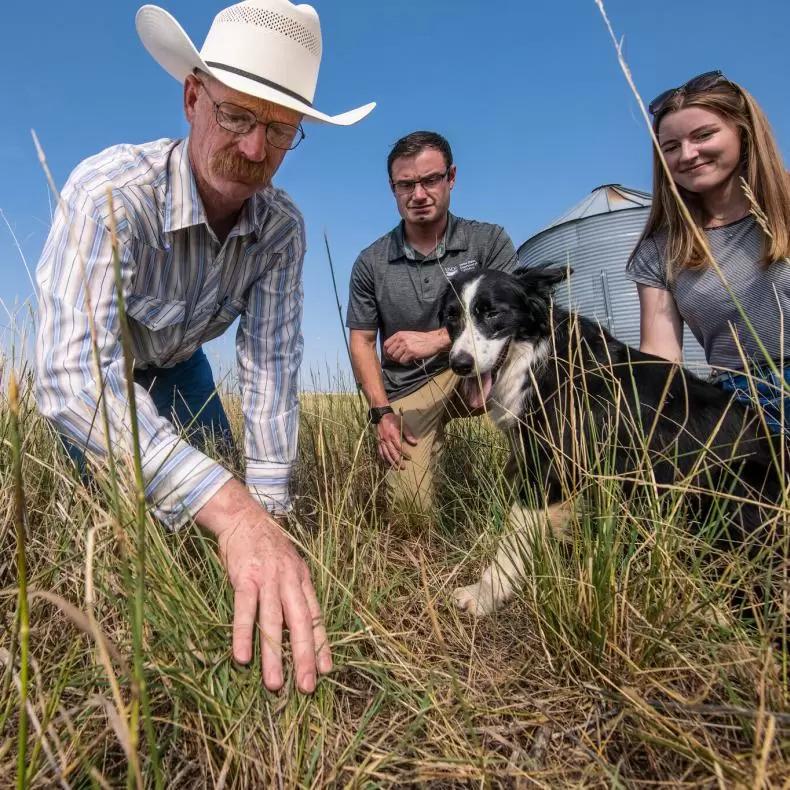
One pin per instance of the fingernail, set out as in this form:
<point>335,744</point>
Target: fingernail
<point>308,681</point>
<point>273,682</point>
<point>324,664</point>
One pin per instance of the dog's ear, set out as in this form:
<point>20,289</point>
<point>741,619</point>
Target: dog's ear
<point>543,277</point>
<point>537,284</point>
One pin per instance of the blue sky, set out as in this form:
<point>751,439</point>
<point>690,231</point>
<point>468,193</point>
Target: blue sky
<point>529,94</point>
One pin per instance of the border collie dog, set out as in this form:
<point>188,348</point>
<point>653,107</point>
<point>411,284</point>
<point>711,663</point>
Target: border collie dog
<point>556,382</point>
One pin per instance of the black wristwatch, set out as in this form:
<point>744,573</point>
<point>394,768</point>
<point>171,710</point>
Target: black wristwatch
<point>377,412</point>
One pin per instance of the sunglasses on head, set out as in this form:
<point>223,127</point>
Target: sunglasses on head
<point>702,82</point>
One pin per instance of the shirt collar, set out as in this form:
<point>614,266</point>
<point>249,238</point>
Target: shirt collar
<point>184,207</point>
<point>454,239</point>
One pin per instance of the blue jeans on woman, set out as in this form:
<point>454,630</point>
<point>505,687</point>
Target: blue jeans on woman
<point>186,395</point>
<point>772,395</point>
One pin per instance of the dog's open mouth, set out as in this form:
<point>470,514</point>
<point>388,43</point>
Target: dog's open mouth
<point>476,388</point>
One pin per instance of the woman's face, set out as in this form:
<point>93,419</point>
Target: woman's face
<point>702,148</point>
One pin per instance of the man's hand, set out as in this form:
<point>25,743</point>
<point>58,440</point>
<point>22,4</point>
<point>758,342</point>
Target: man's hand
<point>403,347</point>
<point>271,586</point>
<point>393,431</point>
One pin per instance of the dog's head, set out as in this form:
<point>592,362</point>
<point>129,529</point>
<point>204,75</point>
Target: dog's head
<point>484,312</point>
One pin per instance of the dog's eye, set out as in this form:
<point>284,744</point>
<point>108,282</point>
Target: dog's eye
<point>490,313</point>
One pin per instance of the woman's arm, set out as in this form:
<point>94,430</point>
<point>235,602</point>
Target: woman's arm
<point>661,327</point>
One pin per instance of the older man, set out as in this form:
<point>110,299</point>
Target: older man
<point>394,294</point>
<point>203,238</point>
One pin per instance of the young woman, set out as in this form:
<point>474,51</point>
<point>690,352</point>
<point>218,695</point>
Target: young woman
<point>714,138</point>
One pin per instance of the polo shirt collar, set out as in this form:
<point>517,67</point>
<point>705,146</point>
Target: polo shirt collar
<point>455,239</point>
<point>184,207</point>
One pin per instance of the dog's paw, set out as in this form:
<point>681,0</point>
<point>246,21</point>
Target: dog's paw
<point>477,599</point>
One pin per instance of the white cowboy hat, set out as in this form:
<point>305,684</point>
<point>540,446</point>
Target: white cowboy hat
<point>265,48</point>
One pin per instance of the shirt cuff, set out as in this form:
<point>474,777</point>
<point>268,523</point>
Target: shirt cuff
<point>180,480</point>
<point>268,484</point>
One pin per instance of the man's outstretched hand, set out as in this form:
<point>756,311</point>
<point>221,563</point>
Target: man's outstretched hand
<point>272,588</point>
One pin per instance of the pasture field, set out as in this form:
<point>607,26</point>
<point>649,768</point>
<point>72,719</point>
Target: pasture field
<point>621,663</point>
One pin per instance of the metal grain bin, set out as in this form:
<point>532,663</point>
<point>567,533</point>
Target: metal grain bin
<point>596,237</point>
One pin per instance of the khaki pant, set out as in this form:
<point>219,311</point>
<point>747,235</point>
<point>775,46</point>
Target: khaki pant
<point>426,412</point>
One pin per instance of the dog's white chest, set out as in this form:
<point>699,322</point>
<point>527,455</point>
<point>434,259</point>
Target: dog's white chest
<point>513,383</point>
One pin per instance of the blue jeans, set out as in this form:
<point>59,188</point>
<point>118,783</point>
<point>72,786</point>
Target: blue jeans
<point>770,394</point>
<point>186,395</point>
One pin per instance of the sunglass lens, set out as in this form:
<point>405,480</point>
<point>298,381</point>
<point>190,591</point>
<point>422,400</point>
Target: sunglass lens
<point>703,81</point>
<point>656,104</point>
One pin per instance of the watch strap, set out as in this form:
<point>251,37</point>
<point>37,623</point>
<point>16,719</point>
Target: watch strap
<point>377,412</point>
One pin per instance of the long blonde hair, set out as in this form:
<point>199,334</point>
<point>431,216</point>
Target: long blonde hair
<point>761,168</point>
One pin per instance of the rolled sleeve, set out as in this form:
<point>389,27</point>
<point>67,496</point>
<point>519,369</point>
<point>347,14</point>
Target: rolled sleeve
<point>75,278</point>
<point>269,349</point>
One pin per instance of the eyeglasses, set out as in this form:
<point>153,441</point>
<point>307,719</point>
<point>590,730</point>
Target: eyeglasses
<point>240,120</point>
<point>702,82</point>
<point>428,182</point>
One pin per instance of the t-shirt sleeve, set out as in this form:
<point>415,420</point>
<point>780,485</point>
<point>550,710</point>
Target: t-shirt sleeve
<point>363,311</point>
<point>647,265</point>
<point>501,252</point>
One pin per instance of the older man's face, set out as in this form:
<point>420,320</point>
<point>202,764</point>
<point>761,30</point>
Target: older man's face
<point>231,167</point>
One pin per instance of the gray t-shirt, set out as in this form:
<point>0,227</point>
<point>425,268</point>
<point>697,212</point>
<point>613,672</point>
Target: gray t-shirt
<point>706,306</point>
<point>395,288</point>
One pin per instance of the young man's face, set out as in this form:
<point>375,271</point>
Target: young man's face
<point>420,203</point>
<point>231,167</point>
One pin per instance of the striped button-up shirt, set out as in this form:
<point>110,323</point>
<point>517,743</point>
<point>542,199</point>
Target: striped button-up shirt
<point>182,287</point>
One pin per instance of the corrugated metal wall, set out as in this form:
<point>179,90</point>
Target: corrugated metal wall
<point>597,249</point>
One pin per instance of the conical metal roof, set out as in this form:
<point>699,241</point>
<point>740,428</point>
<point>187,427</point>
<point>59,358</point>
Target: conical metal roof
<point>602,200</point>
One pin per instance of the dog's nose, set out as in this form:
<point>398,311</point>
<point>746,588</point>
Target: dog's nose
<point>462,363</point>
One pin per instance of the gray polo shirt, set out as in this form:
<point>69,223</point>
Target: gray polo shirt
<point>394,288</point>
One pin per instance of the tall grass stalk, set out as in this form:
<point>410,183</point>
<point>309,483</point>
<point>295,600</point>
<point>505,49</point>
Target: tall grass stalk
<point>127,736</point>
<point>337,295</point>
<point>23,612</point>
<point>138,611</point>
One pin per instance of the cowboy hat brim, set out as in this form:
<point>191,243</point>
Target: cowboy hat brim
<point>170,46</point>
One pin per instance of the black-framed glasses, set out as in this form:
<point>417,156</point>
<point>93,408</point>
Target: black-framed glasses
<point>702,82</point>
<point>240,120</point>
<point>431,181</point>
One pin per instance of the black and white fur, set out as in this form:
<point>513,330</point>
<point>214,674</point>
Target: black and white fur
<point>528,359</point>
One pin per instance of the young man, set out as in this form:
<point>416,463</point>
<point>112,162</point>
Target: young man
<point>203,237</point>
<point>395,287</point>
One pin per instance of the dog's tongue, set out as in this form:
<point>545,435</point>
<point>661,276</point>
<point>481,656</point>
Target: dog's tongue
<point>476,389</point>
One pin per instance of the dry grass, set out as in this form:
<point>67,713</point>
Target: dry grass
<point>612,668</point>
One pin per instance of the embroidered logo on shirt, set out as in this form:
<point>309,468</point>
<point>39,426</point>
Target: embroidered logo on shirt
<point>466,266</point>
